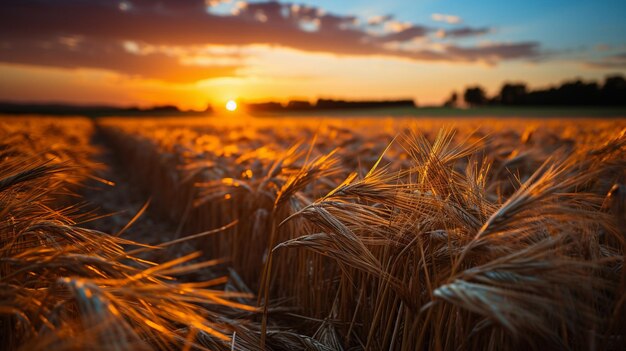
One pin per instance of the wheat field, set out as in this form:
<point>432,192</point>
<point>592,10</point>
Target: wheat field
<point>316,234</point>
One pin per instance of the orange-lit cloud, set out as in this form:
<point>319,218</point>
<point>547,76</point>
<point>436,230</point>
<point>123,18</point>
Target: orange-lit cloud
<point>115,57</point>
<point>96,34</point>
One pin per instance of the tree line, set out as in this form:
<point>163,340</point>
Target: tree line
<point>571,93</point>
<point>327,104</point>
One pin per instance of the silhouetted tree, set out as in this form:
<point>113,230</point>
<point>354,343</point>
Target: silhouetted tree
<point>570,93</point>
<point>614,90</point>
<point>269,106</point>
<point>576,93</point>
<point>343,104</point>
<point>452,100</point>
<point>512,94</point>
<point>299,105</point>
<point>475,96</point>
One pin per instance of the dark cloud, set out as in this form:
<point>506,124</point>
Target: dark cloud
<point>464,32</point>
<point>167,5</point>
<point>304,12</point>
<point>332,22</point>
<point>493,53</point>
<point>273,12</point>
<point>616,61</point>
<point>407,34</point>
<point>109,56</point>
<point>103,25</point>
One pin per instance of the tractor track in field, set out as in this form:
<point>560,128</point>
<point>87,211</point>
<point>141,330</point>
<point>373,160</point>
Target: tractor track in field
<point>119,201</point>
<point>116,200</point>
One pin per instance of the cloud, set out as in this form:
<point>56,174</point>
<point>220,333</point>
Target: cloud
<point>463,32</point>
<point>213,3</point>
<point>616,61</point>
<point>40,32</point>
<point>495,52</point>
<point>451,19</point>
<point>116,57</point>
<point>377,20</point>
<point>406,34</point>
<point>164,5</point>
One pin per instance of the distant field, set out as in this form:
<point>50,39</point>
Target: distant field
<point>518,112</point>
<point>377,233</point>
<point>421,112</point>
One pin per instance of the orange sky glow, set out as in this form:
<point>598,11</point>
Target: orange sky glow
<point>188,54</point>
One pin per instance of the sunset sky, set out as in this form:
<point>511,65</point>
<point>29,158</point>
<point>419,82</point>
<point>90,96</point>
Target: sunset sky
<point>194,52</point>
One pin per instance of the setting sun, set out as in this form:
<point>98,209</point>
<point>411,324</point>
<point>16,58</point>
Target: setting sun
<point>231,105</point>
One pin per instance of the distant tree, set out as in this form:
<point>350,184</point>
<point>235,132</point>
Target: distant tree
<point>452,100</point>
<point>576,93</point>
<point>269,106</point>
<point>614,90</point>
<point>299,105</point>
<point>570,93</point>
<point>343,104</point>
<point>163,108</point>
<point>512,94</point>
<point>475,96</point>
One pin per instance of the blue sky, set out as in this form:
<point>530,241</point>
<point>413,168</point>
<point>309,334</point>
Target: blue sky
<point>557,23</point>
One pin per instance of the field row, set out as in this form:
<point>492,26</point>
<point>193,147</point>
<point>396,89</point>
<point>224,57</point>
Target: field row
<point>66,287</point>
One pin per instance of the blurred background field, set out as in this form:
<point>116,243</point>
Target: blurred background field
<point>476,112</point>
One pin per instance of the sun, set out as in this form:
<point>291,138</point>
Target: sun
<point>231,105</point>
